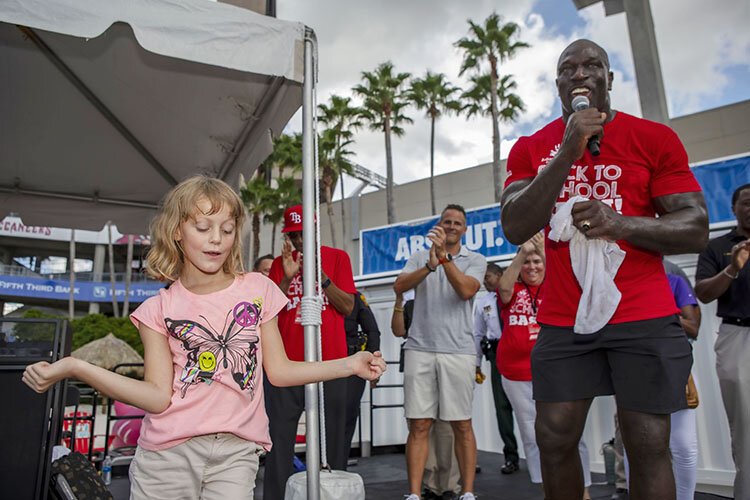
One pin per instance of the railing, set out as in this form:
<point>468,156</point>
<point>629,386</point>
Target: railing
<point>8,270</point>
<point>374,406</point>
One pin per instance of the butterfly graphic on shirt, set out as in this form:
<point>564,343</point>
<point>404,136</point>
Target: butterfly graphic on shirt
<point>233,347</point>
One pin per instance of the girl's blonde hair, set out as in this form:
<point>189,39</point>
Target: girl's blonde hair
<point>165,258</point>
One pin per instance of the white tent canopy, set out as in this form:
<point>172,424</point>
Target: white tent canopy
<point>107,105</point>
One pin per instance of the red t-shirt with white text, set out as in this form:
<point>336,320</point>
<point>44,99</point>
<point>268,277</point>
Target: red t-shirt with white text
<point>640,160</point>
<point>337,266</point>
<point>520,331</point>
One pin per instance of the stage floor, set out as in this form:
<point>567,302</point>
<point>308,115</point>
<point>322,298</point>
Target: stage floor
<point>385,478</point>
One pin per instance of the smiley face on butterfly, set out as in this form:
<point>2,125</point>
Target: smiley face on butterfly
<point>207,361</point>
<point>232,348</point>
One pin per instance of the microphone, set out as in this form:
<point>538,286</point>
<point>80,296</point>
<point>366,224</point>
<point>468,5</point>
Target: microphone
<point>579,103</point>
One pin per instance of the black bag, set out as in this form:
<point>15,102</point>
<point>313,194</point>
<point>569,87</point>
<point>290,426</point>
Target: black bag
<point>74,477</point>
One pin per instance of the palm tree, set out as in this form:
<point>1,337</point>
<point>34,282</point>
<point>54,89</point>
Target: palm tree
<point>256,195</point>
<point>479,98</point>
<point>332,158</point>
<point>340,115</point>
<point>384,99</point>
<point>286,194</point>
<point>434,94</point>
<point>494,43</point>
<point>287,153</point>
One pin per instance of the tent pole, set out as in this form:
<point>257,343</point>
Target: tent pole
<point>312,422</point>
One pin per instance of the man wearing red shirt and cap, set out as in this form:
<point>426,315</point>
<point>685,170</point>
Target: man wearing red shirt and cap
<point>285,404</point>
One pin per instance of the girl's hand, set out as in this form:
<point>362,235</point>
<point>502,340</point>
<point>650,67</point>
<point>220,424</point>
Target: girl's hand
<point>42,375</point>
<point>367,365</point>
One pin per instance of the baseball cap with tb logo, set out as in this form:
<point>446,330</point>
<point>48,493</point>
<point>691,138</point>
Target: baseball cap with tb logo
<point>292,219</point>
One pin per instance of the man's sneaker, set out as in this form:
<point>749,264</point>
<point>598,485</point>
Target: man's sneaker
<point>467,496</point>
<point>411,497</point>
<point>509,467</point>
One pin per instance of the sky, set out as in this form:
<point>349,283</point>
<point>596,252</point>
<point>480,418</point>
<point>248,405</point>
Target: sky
<point>704,53</point>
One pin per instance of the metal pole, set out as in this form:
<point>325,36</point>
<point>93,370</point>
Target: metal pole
<point>115,312</point>
<point>72,273</point>
<point>312,423</point>
<point>98,273</point>
<point>128,276</point>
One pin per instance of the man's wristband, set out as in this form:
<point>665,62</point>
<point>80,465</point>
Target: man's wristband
<point>398,309</point>
<point>726,273</point>
<point>427,265</point>
<point>326,283</point>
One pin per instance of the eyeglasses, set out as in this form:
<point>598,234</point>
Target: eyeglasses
<point>293,235</point>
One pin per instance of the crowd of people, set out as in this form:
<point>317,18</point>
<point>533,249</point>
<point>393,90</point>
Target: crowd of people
<point>594,200</point>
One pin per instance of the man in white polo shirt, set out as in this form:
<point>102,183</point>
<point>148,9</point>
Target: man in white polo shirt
<point>440,353</point>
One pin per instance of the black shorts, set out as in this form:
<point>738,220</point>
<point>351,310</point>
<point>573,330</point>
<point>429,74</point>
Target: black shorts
<point>645,364</point>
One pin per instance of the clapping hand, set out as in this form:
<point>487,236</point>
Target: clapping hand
<point>290,264</point>
<point>534,245</point>
<point>437,251</point>
<point>740,254</point>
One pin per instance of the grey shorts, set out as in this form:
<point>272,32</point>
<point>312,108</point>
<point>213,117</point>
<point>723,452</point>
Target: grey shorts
<point>438,385</point>
<point>645,364</point>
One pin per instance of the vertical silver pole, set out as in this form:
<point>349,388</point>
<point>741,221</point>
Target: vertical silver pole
<point>72,273</point>
<point>128,276</point>
<point>98,273</point>
<point>312,425</point>
<point>110,247</point>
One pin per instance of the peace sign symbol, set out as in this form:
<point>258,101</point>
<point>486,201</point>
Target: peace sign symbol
<point>246,314</point>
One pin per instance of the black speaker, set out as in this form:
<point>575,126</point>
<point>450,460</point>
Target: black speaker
<point>30,423</point>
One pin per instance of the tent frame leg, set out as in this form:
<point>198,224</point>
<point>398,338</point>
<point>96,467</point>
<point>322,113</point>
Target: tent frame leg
<point>312,419</point>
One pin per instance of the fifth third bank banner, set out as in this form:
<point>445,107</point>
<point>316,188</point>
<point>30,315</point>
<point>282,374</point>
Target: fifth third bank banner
<point>385,250</point>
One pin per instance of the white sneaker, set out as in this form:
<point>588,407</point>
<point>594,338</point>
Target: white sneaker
<point>467,496</point>
<point>412,497</point>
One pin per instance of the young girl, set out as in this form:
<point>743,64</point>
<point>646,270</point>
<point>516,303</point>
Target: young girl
<point>205,339</point>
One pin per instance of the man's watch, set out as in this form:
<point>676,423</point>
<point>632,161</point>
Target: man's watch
<point>326,283</point>
<point>447,258</point>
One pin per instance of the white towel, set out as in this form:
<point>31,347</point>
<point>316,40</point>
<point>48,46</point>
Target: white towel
<point>595,263</point>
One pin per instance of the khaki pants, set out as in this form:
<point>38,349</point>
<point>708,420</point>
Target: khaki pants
<point>732,354</point>
<point>211,467</point>
<point>441,471</point>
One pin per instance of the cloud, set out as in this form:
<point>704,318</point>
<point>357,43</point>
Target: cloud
<point>698,46</point>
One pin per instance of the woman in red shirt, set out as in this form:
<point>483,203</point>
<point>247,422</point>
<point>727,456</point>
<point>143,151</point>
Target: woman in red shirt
<point>519,297</point>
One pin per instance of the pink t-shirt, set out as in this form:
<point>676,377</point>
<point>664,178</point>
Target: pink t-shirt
<point>217,358</point>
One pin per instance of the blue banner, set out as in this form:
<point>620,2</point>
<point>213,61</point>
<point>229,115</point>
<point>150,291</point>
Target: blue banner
<point>386,249</point>
<point>84,291</point>
<point>719,180</point>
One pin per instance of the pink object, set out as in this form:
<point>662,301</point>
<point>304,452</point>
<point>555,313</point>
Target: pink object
<point>218,384</point>
<point>126,432</point>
